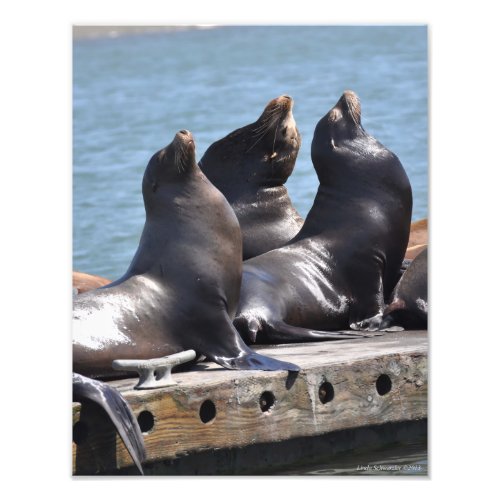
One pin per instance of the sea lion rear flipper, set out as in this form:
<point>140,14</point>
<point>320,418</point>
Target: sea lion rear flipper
<point>377,323</point>
<point>234,354</point>
<point>281,332</point>
<point>108,398</point>
<point>391,321</point>
<point>251,360</point>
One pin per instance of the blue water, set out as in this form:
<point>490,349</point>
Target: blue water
<point>132,93</point>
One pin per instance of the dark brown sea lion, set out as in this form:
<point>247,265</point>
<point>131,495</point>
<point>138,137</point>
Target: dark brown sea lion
<point>83,282</point>
<point>334,274</point>
<point>250,167</point>
<point>182,287</point>
<point>408,305</point>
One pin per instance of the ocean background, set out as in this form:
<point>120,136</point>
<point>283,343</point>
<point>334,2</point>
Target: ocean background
<point>133,90</point>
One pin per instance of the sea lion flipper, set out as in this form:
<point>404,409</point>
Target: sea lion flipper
<point>391,328</point>
<point>281,332</point>
<point>372,324</point>
<point>108,398</point>
<point>251,360</point>
<point>234,354</point>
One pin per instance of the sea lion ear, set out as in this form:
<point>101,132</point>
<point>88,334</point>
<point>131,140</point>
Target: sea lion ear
<point>154,185</point>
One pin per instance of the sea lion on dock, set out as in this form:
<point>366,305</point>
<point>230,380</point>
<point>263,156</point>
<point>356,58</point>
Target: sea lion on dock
<point>412,252</point>
<point>335,273</point>
<point>418,240</point>
<point>182,287</point>
<point>419,233</point>
<point>83,282</point>
<point>408,304</point>
<point>250,167</point>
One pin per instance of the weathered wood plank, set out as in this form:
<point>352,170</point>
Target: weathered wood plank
<point>343,447</point>
<point>347,370</point>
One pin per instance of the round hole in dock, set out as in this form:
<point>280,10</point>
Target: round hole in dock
<point>326,392</point>
<point>267,401</point>
<point>383,384</point>
<point>80,433</point>
<point>207,411</point>
<point>146,421</point>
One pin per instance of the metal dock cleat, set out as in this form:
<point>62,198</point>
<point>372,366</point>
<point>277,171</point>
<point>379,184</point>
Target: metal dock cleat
<point>157,372</point>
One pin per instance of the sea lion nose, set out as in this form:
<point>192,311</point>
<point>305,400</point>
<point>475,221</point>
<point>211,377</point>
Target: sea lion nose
<point>286,101</point>
<point>184,132</point>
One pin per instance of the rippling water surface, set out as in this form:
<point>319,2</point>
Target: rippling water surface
<point>403,459</point>
<point>131,93</point>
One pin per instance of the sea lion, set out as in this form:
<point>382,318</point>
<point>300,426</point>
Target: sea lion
<point>335,273</point>
<point>408,304</point>
<point>182,287</point>
<point>87,390</point>
<point>412,252</point>
<point>418,240</point>
<point>250,167</point>
<point>419,233</point>
<point>83,282</point>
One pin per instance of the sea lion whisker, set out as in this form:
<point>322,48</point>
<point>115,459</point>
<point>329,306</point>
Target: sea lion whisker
<point>255,143</point>
<point>184,160</point>
<point>180,160</point>
<point>272,113</point>
<point>267,122</point>
<point>176,160</point>
<point>273,109</point>
<point>263,129</point>
<point>259,136</point>
<point>274,141</point>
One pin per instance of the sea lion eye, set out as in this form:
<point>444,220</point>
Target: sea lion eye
<point>154,186</point>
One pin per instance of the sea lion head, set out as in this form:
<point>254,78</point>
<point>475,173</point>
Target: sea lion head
<point>261,154</point>
<point>343,121</point>
<point>170,164</point>
<point>339,133</point>
<point>279,139</point>
<point>278,131</point>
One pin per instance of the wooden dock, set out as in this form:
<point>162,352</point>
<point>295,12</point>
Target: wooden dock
<point>221,415</point>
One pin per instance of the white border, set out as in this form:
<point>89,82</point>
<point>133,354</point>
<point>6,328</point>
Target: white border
<point>36,248</point>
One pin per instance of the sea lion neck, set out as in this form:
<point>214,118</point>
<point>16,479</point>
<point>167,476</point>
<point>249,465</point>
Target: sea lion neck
<point>168,215</point>
<point>259,195</point>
